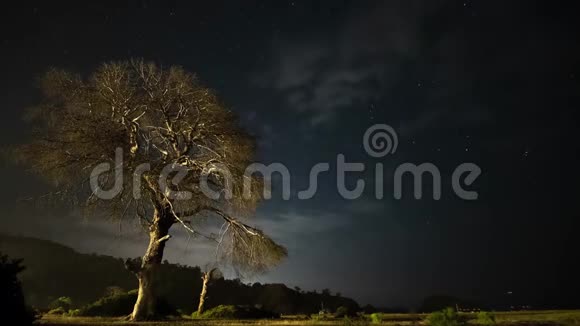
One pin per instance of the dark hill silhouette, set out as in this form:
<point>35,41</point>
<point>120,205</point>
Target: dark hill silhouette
<point>53,270</point>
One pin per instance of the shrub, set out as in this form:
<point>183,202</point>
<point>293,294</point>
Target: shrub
<point>344,311</point>
<point>121,305</point>
<point>111,306</point>
<point>235,312</point>
<point>220,312</point>
<point>74,312</point>
<point>376,318</point>
<point>485,318</point>
<point>57,311</point>
<point>445,317</point>
<point>63,302</point>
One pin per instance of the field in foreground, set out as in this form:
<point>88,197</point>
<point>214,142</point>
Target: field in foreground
<point>553,317</point>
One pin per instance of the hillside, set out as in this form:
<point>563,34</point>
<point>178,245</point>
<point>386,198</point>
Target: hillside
<point>54,270</point>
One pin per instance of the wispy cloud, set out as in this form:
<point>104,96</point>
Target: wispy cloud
<point>290,228</point>
<point>350,68</point>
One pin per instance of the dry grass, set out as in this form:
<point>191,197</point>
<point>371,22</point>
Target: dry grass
<point>553,317</point>
<point>545,317</point>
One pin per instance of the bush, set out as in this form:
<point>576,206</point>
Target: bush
<point>111,306</point>
<point>344,311</point>
<point>221,312</point>
<point>12,304</point>
<point>376,318</point>
<point>235,312</point>
<point>121,304</point>
<point>74,312</point>
<point>57,311</point>
<point>445,317</point>
<point>63,302</point>
<point>318,317</point>
<point>485,318</point>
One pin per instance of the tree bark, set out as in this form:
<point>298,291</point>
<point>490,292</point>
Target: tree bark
<point>205,278</point>
<point>158,233</point>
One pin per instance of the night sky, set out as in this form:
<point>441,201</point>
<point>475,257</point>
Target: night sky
<point>496,83</point>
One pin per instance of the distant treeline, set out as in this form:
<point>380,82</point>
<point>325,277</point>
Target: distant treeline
<point>53,270</point>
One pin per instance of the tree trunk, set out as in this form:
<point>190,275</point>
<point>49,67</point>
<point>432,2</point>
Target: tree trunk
<point>206,276</point>
<point>144,306</point>
<point>146,273</point>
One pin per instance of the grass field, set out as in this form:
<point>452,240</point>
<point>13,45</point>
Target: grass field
<point>556,317</point>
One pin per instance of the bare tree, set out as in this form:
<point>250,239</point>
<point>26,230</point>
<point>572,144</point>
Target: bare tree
<point>145,121</point>
<point>211,273</point>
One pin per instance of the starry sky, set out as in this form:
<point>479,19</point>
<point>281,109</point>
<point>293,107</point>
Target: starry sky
<point>495,83</point>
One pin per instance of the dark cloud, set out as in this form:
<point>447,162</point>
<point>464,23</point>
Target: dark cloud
<point>358,63</point>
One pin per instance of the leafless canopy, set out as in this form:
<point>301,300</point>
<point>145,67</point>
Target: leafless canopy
<point>163,117</point>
